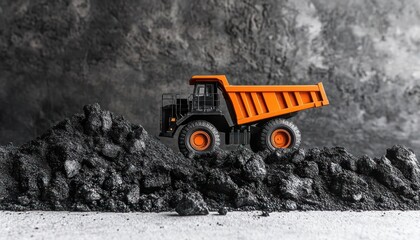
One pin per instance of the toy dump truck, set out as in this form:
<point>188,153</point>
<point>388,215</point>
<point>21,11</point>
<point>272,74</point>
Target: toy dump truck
<point>257,114</point>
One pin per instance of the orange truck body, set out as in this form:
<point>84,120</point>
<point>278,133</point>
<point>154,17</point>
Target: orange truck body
<point>254,103</point>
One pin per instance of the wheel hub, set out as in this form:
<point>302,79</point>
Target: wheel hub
<point>200,140</point>
<point>281,138</point>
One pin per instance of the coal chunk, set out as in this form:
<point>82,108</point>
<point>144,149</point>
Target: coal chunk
<point>223,211</point>
<point>405,160</point>
<point>308,169</point>
<point>299,156</point>
<point>192,204</point>
<point>265,214</point>
<point>290,205</point>
<point>366,165</point>
<point>59,189</point>
<point>391,177</point>
<point>245,197</point>
<point>254,168</point>
<point>294,187</point>
<point>111,150</point>
<point>96,119</point>
<point>158,180</point>
<point>349,186</point>
<point>71,168</point>
<point>133,195</point>
<point>220,181</point>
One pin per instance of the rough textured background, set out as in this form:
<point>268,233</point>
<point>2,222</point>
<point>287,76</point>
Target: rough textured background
<point>56,56</point>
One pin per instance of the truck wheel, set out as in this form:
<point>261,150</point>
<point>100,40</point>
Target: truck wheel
<point>279,133</point>
<point>254,143</point>
<point>198,138</point>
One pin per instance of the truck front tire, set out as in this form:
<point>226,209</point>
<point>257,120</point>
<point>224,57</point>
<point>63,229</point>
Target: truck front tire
<point>198,138</point>
<point>279,133</point>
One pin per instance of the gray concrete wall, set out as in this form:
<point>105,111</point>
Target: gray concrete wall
<point>56,56</point>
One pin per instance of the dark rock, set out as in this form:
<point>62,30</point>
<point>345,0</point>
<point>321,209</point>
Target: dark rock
<point>294,187</point>
<point>120,130</point>
<point>366,165</point>
<point>265,214</point>
<point>333,160</point>
<point>71,167</point>
<point>314,153</point>
<point>27,169</point>
<point>89,194</point>
<point>349,186</point>
<point>390,176</point>
<point>254,168</point>
<point>154,202</point>
<point>308,169</point>
<point>96,162</point>
<point>239,157</point>
<point>111,150</point>
<point>405,160</point>
<point>298,156</point>
<point>280,156</point>
<point>111,205</point>
<point>131,172</point>
<point>61,151</point>
<point>96,119</point>
<point>220,181</point>
<point>81,207</point>
<point>8,184</point>
<point>133,195</point>
<point>223,211</point>
<point>349,163</point>
<point>335,169</point>
<point>192,204</point>
<point>113,182</point>
<point>290,205</point>
<point>137,146</point>
<point>23,200</point>
<point>245,198</point>
<point>157,180</point>
<point>59,189</point>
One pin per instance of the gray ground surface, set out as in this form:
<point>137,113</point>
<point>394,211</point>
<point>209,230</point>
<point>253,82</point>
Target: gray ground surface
<point>236,225</point>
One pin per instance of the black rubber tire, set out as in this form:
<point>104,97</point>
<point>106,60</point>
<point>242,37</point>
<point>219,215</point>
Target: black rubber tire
<point>279,123</point>
<point>255,137</point>
<point>183,140</point>
<point>254,143</point>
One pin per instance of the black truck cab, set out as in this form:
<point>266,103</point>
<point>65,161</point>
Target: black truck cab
<point>205,98</point>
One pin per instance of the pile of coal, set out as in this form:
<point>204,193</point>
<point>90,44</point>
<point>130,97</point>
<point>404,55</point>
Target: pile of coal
<point>98,161</point>
<point>95,161</point>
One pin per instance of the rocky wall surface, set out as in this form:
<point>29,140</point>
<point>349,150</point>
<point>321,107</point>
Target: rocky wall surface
<point>58,55</point>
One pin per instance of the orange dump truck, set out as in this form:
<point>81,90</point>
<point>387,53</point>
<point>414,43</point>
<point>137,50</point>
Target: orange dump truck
<point>257,114</point>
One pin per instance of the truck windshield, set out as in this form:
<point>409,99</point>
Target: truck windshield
<point>199,91</point>
<point>209,90</point>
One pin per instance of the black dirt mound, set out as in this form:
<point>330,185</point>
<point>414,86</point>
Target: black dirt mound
<point>100,162</point>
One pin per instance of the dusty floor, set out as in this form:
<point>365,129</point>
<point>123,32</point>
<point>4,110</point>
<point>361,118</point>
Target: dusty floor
<point>236,225</point>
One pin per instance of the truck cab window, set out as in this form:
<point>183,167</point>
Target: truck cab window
<point>209,90</point>
<point>199,91</point>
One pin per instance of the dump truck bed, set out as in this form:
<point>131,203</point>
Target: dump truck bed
<point>259,102</point>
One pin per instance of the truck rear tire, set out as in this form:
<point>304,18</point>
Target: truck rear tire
<point>254,143</point>
<point>198,138</point>
<point>279,133</point>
